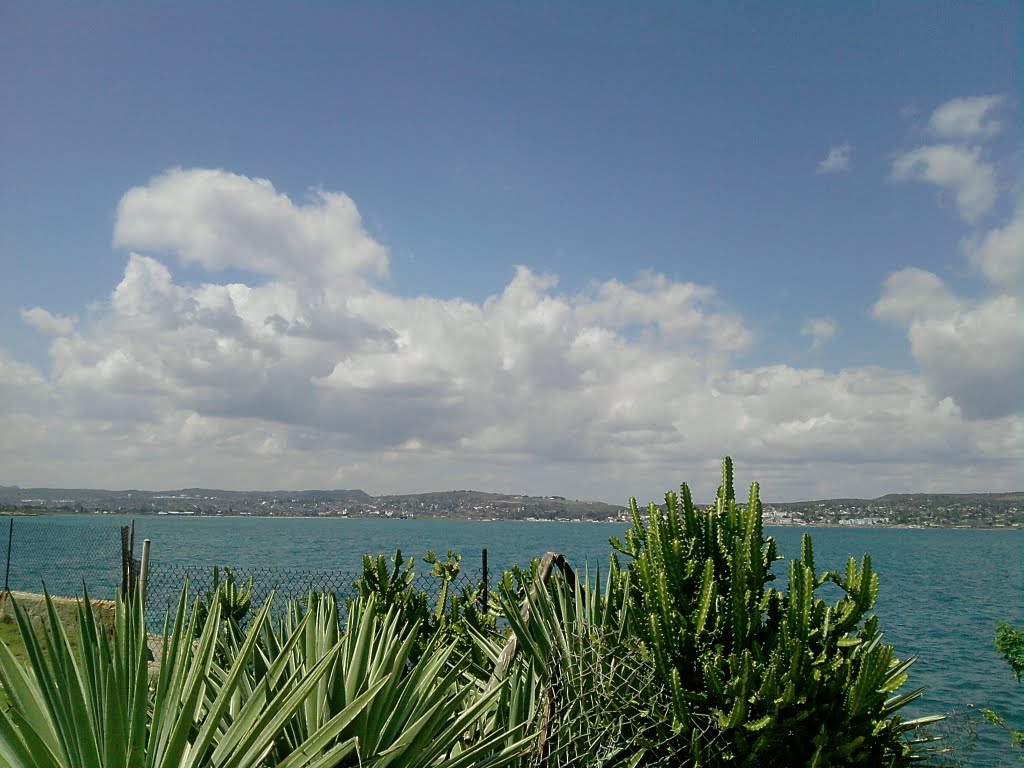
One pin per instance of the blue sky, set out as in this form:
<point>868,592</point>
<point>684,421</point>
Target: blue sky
<point>662,161</point>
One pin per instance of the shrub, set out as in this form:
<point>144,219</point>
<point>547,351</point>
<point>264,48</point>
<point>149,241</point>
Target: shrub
<point>783,677</point>
<point>1009,642</point>
<point>454,614</point>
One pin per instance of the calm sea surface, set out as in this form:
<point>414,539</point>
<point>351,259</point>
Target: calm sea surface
<point>942,591</point>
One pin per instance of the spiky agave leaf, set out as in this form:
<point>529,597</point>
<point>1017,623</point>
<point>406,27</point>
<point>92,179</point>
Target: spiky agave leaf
<point>426,709</point>
<point>576,680</point>
<point>94,707</point>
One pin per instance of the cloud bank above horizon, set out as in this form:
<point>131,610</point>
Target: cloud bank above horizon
<point>309,372</point>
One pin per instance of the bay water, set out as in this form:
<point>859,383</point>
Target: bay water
<point>942,590</point>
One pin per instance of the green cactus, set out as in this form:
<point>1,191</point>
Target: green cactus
<point>235,601</point>
<point>788,678</point>
<point>455,614</point>
<point>235,609</point>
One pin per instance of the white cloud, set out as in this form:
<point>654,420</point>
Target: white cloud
<point>955,168</point>
<point>912,294</point>
<point>219,219</point>
<point>969,350</point>
<point>975,356</point>
<point>999,255</point>
<point>47,323</point>
<point>21,385</point>
<point>315,374</point>
<point>837,160</point>
<point>680,311</point>
<point>820,329</point>
<point>967,118</point>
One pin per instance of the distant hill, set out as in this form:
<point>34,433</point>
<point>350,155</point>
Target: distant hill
<point>14,494</point>
<point>469,504</point>
<point>302,496</point>
<point>916,498</point>
<point>954,498</point>
<point>1005,509</point>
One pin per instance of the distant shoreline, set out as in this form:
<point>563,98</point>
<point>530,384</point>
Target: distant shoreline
<point>437,518</point>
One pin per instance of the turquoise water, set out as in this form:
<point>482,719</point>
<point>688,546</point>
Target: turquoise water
<point>942,591</point>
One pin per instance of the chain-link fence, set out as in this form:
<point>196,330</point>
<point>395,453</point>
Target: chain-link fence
<point>164,582</point>
<point>603,704</point>
<point>62,555</point>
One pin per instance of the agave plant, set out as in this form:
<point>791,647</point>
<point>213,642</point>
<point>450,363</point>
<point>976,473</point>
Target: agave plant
<point>97,707</point>
<point>426,708</point>
<point>454,613</point>
<point>573,675</point>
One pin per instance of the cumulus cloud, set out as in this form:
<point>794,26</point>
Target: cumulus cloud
<point>969,350</point>
<point>219,219</point>
<point>820,329</point>
<point>21,385</point>
<point>680,311</point>
<point>956,163</point>
<point>314,375</point>
<point>967,118</point>
<point>46,322</point>
<point>957,169</point>
<point>912,294</point>
<point>999,254</point>
<point>837,160</point>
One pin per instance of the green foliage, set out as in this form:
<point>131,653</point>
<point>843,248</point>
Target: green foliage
<point>446,570</point>
<point>99,708</point>
<point>235,609</point>
<point>307,693</point>
<point>394,587</point>
<point>422,711</point>
<point>994,718</point>
<point>235,603</point>
<point>1009,643</point>
<point>574,677</point>
<point>686,654</point>
<point>454,614</point>
<point>787,678</point>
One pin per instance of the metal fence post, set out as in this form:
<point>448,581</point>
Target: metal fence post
<point>144,575</point>
<point>7,572</point>
<point>487,586</point>
<point>125,560</point>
